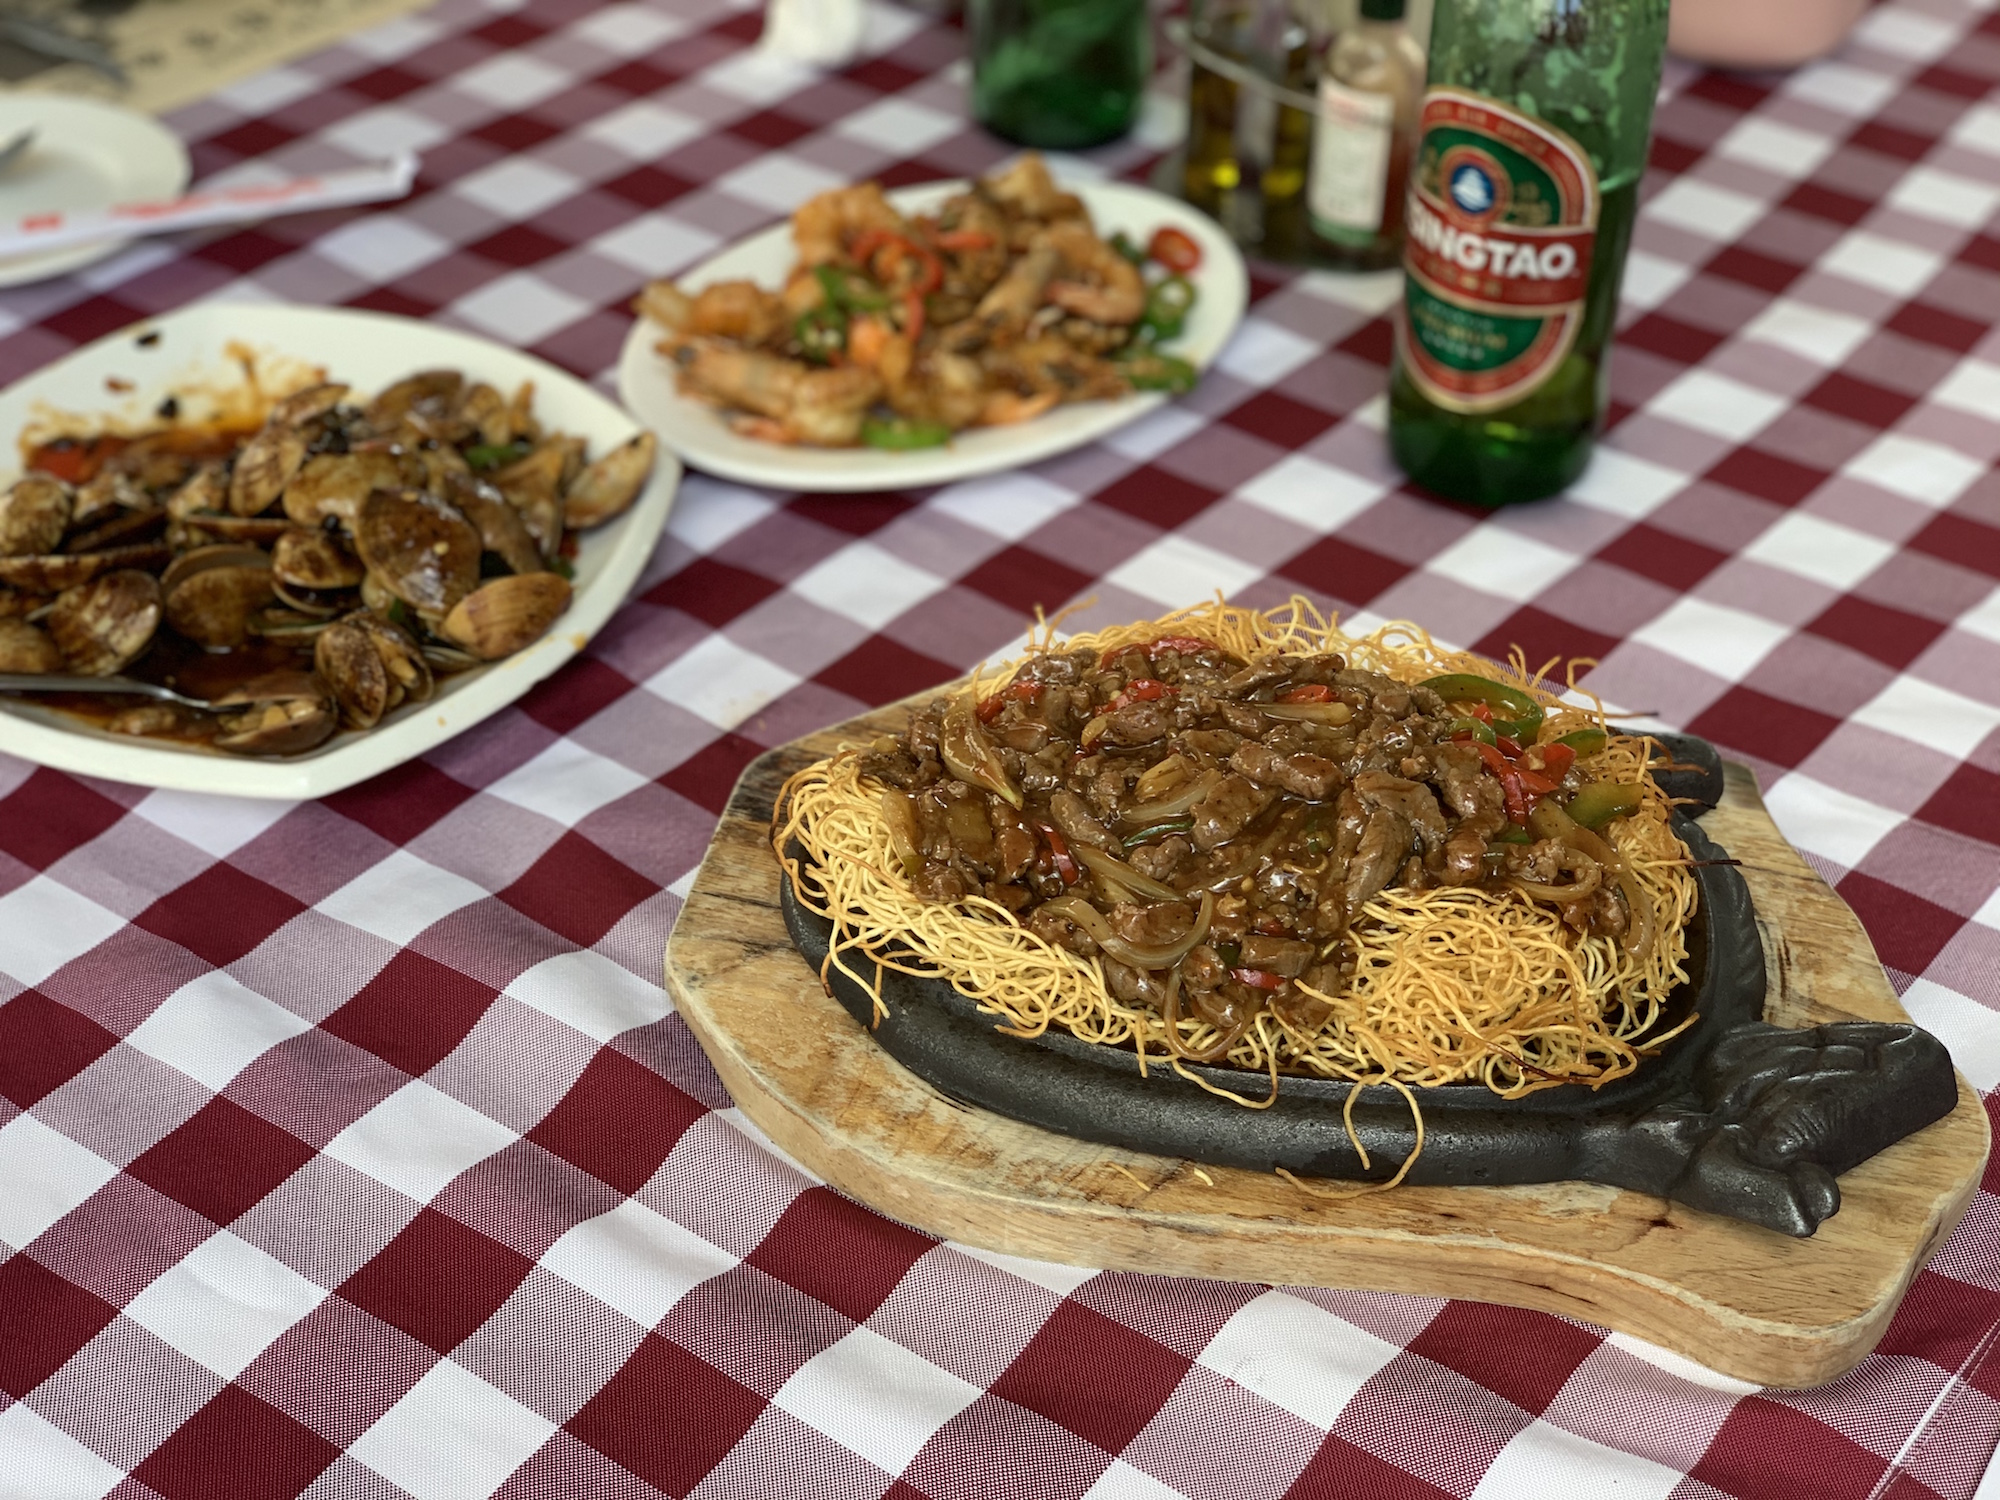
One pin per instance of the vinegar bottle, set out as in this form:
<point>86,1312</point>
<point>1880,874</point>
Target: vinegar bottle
<point>1369,91</point>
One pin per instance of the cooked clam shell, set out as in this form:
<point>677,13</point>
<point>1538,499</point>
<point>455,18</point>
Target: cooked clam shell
<point>283,713</point>
<point>335,484</point>
<point>429,393</point>
<point>418,548</point>
<point>302,406</point>
<point>205,490</point>
<point>504,614</point>
<point>501,529</point>
<point>608,487</point>
<point>65,570</point>
<point>264,467</point>
<point>101,626</point>
<point>34,514</point>
<point>213,593</point>
<point>346,658</point>
<point>312,558</point>
<point>27,648</point>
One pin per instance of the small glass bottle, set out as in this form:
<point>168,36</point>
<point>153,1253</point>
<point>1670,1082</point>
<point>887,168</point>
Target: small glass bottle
<point>1058,74</point>
<point>1369,92</point>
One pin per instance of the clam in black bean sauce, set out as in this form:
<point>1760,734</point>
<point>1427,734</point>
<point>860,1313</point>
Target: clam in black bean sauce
<point>310,572</point>
<point>1172,808</point>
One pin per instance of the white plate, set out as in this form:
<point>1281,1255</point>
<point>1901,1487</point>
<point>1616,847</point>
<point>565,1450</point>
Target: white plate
<point>368,351</point>
<point>699,434</point>
<point>86,155</point>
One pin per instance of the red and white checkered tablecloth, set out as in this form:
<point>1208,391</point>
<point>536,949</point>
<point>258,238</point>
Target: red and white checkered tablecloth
<point>351,1148</point>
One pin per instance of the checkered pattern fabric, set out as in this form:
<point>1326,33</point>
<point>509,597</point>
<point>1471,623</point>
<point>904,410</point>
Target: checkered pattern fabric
<point>351,1148</point>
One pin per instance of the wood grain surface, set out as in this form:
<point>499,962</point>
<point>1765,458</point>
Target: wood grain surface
<point>1743,1300</point>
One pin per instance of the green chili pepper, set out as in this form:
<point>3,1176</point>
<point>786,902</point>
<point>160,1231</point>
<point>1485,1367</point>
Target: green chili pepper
<point>1512,835</point>
<point>1231,954</point>
<point>1585,742</point>
<point>900,434</point>
<point>1478,729</point>
<point>563,567</point>
<point>1598,803</point>
<point>1125,246</point>
<point>1523,713</point>
<point>849,293</point>
<point>1167,307</point>
<point>1171,825</point>
<point>821,333</point>
<point>1160,372</point>
<point>485,456</point>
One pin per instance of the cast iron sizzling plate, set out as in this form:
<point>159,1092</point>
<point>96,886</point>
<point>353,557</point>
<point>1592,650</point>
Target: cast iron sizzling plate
<point>1733,1115</point>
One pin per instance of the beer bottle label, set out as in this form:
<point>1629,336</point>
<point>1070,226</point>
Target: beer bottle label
<point>1350,163</point>
<point>1502,220</point>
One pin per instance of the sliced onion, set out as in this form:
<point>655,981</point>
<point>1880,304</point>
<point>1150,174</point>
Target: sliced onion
<point>899,816</point>
<point>1145,814</point>
<point>1168,773</point>
<point>969,755</point>
<point>1093,921</point>
<point>1100,863</point>
<point>1093,730</point>
<point>1589,873</point>
<point>1550,821</point>
<point>1170,1012</point>
<point>1310,713</point>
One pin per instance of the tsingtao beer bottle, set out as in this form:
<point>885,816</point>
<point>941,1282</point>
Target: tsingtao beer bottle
<point>1531,143</point>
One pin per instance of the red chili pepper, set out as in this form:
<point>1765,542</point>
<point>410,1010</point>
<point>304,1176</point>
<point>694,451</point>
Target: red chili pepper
<point>1312,692</point>
<point>1022,692</point>
<point>1175,249</point>
<point>1518,805</point>
<point>964,239</point>
<point>1139,690</point>
<point>867,243</point>
<point>913,315</point>
<point>1258,979</point>
<point>1535,781</point>
<point>1059,854</point>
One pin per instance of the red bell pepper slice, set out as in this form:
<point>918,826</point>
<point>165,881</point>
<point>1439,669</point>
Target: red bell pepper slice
<point>1059,855</point>
<point>1175,249</point>
<point>1258,979</point>
<point>1026,692</point>
<point>1518,804</point>
<point>1139,690</point>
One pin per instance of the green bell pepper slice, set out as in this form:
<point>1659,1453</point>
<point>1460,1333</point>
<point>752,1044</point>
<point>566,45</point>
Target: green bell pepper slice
<point>1515,714</point>
<point>1160,372</point>
<point>1171,825</point>
<point>1598,803</point>
<point>1512,835</point>
<point>901,434</point>
<point>1478,729</point>
<point>1585,742</point>
<point>1167,308</point>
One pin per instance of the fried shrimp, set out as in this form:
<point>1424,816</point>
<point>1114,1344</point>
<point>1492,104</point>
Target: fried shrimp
<point>898,330</point>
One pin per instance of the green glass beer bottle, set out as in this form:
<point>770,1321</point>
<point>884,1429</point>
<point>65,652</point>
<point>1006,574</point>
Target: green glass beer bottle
<point>1531,143</point>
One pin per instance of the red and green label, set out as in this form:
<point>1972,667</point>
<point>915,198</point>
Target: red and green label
<point>1502,220</point>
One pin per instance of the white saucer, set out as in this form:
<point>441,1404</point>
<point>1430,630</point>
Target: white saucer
<point>86,155</point>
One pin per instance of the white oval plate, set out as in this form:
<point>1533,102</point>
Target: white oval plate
<point>699,434</point>
<point>368,351</point>
<point>87,155</point>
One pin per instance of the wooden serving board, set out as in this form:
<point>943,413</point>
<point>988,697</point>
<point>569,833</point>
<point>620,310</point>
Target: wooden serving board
<point>1743,1300</point>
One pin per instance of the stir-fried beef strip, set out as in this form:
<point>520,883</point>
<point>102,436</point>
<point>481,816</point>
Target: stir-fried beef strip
<point>1102,798</point>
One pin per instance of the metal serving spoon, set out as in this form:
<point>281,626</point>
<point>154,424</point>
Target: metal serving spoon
<point>28,682</point>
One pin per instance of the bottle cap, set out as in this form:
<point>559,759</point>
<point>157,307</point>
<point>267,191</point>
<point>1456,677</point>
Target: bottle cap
<point>1381,10</point>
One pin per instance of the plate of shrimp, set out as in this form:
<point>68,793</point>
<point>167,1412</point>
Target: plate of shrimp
<point>884,340</point>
